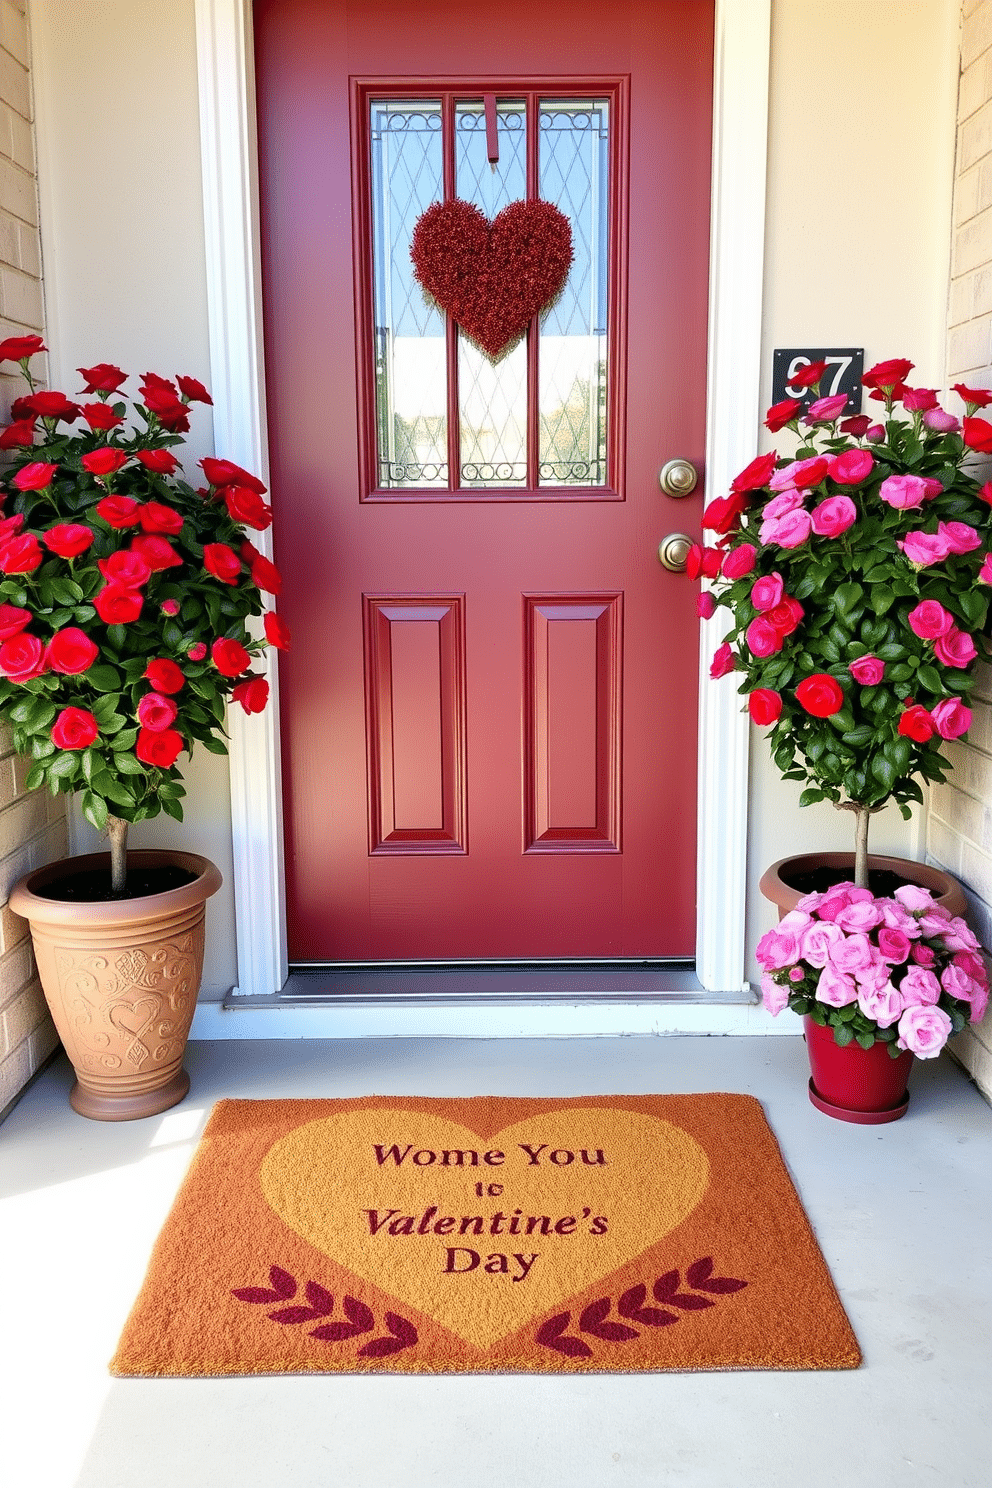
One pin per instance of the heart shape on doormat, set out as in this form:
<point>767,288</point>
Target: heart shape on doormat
<point>492,278</point>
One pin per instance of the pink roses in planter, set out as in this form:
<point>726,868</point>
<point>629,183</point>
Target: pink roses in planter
<point>899,971</point>
<point>125,595</point>
<point>857,577</point>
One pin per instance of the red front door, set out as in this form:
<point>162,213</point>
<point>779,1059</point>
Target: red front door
<point>489,709</point>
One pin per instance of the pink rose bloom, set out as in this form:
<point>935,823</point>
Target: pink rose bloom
<point>825,410</point>
<point>790,531</point>
<point>762,638</point>
<point>779,506</point>
<point>952,717</point>
<point>834,516</point>
<point>834,988</point>
<point>773,996</point>
<point>979,1003</point>
<point>918,400</point>
<point>777,948</point>
<point>852,954</point>
<point>898,918</point>
<point>838,897</point>
<point>924,548</point>
<point>972,965</point>
<point>817,940</point>
<point>955,649</point>
<point>960,537</point>
<point>705,605</point>
<point>903,491</point>
<point>959,937</point>
<point>874,976</point>
<point>799,472</point>
<point>930,620</point>
<point>941,422</point>
<point>919,987</point>
<point>957,983</point>
<point>881,1003</point>
<point>875,434</point>
<point>767,592</point>
<point>739,561</point>
<point>914,898</point>
<point>868,670</point>
<point>931,487</point>
<point>923,955</point>
<point>893,945</point>
<point>861,916</point>
<point>723,661</point>
<point>985,572</point>
<point>851,467</point>
<point>924,1030</point>
<point>935,923</point>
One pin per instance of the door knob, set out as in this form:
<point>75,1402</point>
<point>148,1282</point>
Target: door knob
<point>678,478</point>
<point>673,551</point>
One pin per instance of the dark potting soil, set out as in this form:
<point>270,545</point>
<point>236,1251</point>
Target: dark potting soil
<point>92,885</point>
<point>882,881</point>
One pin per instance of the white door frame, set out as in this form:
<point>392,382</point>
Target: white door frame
<point>230,198</point>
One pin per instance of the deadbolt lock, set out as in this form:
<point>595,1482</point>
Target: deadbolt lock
<point>678,478</point>
<point>673,551</point>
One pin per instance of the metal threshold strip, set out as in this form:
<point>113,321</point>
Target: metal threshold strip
<point>466,983</point>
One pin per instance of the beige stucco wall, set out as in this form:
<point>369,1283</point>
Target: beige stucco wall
<point>859,194</point>
<point>960,822</point>
<point>122,227</point>
<point>860,173</point>
<point>32,825</point>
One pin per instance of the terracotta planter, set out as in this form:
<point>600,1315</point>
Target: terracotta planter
<point>866,1086</point>
<point>121,980</point>
<point>775,881</point>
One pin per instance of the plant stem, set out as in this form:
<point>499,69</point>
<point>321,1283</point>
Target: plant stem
<point>861,847</point>
<point>117,830</point>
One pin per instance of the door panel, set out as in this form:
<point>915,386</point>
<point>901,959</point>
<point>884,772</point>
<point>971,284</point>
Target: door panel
<point>489,708</point>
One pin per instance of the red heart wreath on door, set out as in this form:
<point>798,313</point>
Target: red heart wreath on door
<point>492,278</point>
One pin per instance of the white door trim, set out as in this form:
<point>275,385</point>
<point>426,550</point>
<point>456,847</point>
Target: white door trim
<point>740,118</point>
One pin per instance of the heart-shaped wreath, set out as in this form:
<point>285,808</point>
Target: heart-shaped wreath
<point>492,278</point>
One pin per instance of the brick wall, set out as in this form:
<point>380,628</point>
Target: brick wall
<point>959,826</point>
<point>32,826</point>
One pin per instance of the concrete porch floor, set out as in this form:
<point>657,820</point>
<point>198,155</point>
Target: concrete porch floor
<point>902,1214</point>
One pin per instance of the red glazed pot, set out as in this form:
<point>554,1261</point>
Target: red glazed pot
<point>866,1086</point>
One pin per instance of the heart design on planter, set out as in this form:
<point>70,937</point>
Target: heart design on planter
<point>416,1225</point>
<point>492,278</point>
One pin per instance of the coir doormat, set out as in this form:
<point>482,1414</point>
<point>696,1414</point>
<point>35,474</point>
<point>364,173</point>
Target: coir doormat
<point>395,1234</point>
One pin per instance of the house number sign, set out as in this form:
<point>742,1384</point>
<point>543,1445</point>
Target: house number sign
<point>845,365</point>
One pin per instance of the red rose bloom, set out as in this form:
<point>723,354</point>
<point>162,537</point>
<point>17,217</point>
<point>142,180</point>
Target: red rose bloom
<point>978,435</point>
<point>19,348</point>
<point>230,657</point>
<point>222,562</point>
<point>166,407</point>
<point>21,554</point>
<point>71,651</point>
<point>978,397</point>
<point>785,616</point>
<point>917,724</point>
<point>101,416</point>
<point>857,425</point>
<point>103,378</point>
<point>194,390</point>
<point>764,706</point>
<point>119,511</point>
<point>156,552</point>
<point>50,405</point>
<point>22,658</point>
<point>156,712</point>
<point>781,414</point>
<point>158,749</point>
<point>34,477</point>
<point>276,631</point>
<point>246,507</point>
<point>161,461</point>
<point>125,568</point>
<point>821,695</point>
<point>265,575</point>
<point>116,605</point>
<point>75,728</point>
<point>164,675</point>
<point>252,694</point>
<point>226,473</point>
<point>755,475</point>
<point>67,539</point>
<point>723,514</point>
<point>197,651</point>
<point>13,620</point>
<point>156,517</point>
<point>723,661</point>
<point>18,435</point>
<point>887,374</point>
<point>104,461</point>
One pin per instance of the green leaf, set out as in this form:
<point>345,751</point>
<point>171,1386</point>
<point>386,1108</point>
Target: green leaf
<point>64,765</point>
<point>105,678</point>
<point>35,776</point>
<point>95,810</point>
<point>171,807</point>
<point>810,796</point>
<point>884,771</point>
<point>847,597</point>
<point>215,746</point>
<point>882,599</point>
<point>843,1035</point>
<point>127,764</point>
<point>125,740</point>
<point>930,679</point>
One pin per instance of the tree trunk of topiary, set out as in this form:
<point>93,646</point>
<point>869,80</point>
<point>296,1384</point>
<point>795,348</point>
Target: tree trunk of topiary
<point>117,830</point>
<point>861,846</point>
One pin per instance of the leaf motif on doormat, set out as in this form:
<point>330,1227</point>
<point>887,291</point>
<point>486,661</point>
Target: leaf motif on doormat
<point>360,1319</point>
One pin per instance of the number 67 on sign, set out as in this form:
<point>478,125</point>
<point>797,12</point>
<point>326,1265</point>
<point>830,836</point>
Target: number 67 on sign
<point>845,365</point>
